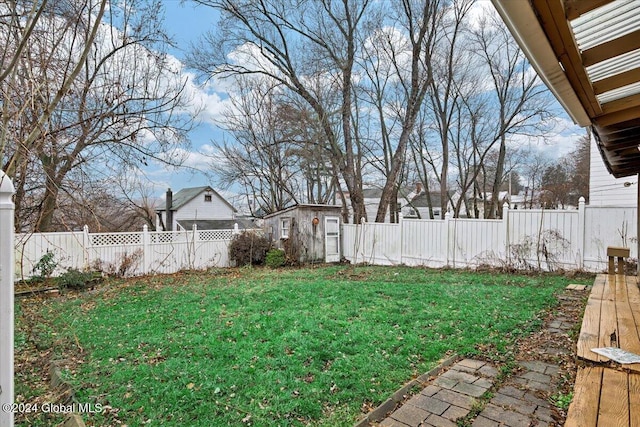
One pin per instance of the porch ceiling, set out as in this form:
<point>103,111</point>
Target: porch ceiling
<point>588,53</point>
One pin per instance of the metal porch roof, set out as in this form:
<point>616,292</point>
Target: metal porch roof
<point>588,53</point>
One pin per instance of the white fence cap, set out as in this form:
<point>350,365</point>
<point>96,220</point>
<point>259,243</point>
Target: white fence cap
<point>6,186</point>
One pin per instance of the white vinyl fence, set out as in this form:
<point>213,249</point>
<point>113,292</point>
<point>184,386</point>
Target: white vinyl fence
<point>523,239</point>
<point>129,254</point>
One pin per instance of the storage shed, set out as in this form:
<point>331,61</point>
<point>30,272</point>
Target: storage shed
<point>307,233</point>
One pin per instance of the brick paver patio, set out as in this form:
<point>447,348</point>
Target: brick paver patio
<point>520,401</point>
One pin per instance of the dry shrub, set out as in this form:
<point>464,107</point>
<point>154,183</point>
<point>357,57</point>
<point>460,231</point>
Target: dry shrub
<point>248,248</point>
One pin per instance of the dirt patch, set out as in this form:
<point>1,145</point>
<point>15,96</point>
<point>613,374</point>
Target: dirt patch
<point>555,343</point>
<point>36,347</point>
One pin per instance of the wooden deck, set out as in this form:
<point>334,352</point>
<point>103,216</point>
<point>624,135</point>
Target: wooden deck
<point>608,395</point>
<point>611,318</point>
<point>605,397</point>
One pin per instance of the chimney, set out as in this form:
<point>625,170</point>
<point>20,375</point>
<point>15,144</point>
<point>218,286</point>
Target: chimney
<point>418,188</point>
<point>169,197</point>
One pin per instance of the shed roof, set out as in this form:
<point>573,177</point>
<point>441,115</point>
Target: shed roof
<point>304,206</point>
<point>588,53</point>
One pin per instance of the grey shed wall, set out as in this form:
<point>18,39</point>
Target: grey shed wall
<point>306,241</point>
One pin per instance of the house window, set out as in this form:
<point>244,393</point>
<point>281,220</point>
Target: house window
<point>207,197</point>
<point>285,225</point>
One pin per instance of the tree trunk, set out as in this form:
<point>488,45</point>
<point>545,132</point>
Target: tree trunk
<point>497,180</point>
<point>444,195</point>
<point>49,202</point>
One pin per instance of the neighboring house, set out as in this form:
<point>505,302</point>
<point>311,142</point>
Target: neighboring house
<point>604,189</point>
<point>307,233</point>
<point>200,206</point>
<point>418,205</point>
<point>525,200</point>
<point>372,198</point>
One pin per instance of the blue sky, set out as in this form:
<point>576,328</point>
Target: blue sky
<point>186,22</point>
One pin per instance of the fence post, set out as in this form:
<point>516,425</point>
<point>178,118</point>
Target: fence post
<point>581,231</point>
<point>146,250</point>
<point>6,298</point>
<point>505,221</point>
<point>86,242</point>
<point>400,226</point>
<point>450,244</point>
<point>194,240</point>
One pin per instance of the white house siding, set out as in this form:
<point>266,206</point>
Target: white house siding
<point>424,213</point>
<point>604,189</point>
<point>198,209</point>
<point>371,206</point>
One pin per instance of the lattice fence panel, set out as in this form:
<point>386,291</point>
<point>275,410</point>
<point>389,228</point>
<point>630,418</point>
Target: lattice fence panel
<point>116,239</point>
<point>215,234</point>
<point>171,236</point>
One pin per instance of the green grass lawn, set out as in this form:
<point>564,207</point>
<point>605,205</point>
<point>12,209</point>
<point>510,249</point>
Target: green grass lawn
<point>280,347</point>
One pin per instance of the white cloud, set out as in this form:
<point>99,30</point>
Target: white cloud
<point>479,10</point>
<point>558,142</point>
<point>206,101</point>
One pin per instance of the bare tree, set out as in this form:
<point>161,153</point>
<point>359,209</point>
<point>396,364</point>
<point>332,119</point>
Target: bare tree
<point>420,21</point>
<point>277,155</point>
<point>521,105</point>
<point>566,179</point>
<point>25,110</point>
<point>92,90</point>
<point>531,170</point>
<point>259,158</point>
<point>556,185</point>
<point>581,156</point>
<point>445,65</point>
<point>295,43</point>
<point>96,205</point>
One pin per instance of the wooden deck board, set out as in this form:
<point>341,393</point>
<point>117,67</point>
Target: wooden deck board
<point>605,397</point>
<point>612,311</point>
<point>598,286</point>
<point>633,291</point>
<point>608,323</point>
<point>608,327</point>
<point>633,298</point>
<point>583,411</point>
<point>628,321</point>
<point>590,329</point>
<point>614,399</point>
<point>634,400</point>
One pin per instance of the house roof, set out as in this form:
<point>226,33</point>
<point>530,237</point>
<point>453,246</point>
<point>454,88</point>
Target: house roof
<point>217,224</point>
<point>588,53</point>
<point>304,206</point>
<point>420,201</point>
<point>185,195</point>
<point>376,193</point>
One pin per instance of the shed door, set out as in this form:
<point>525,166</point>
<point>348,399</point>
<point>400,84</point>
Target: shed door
<point>332,239</point>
